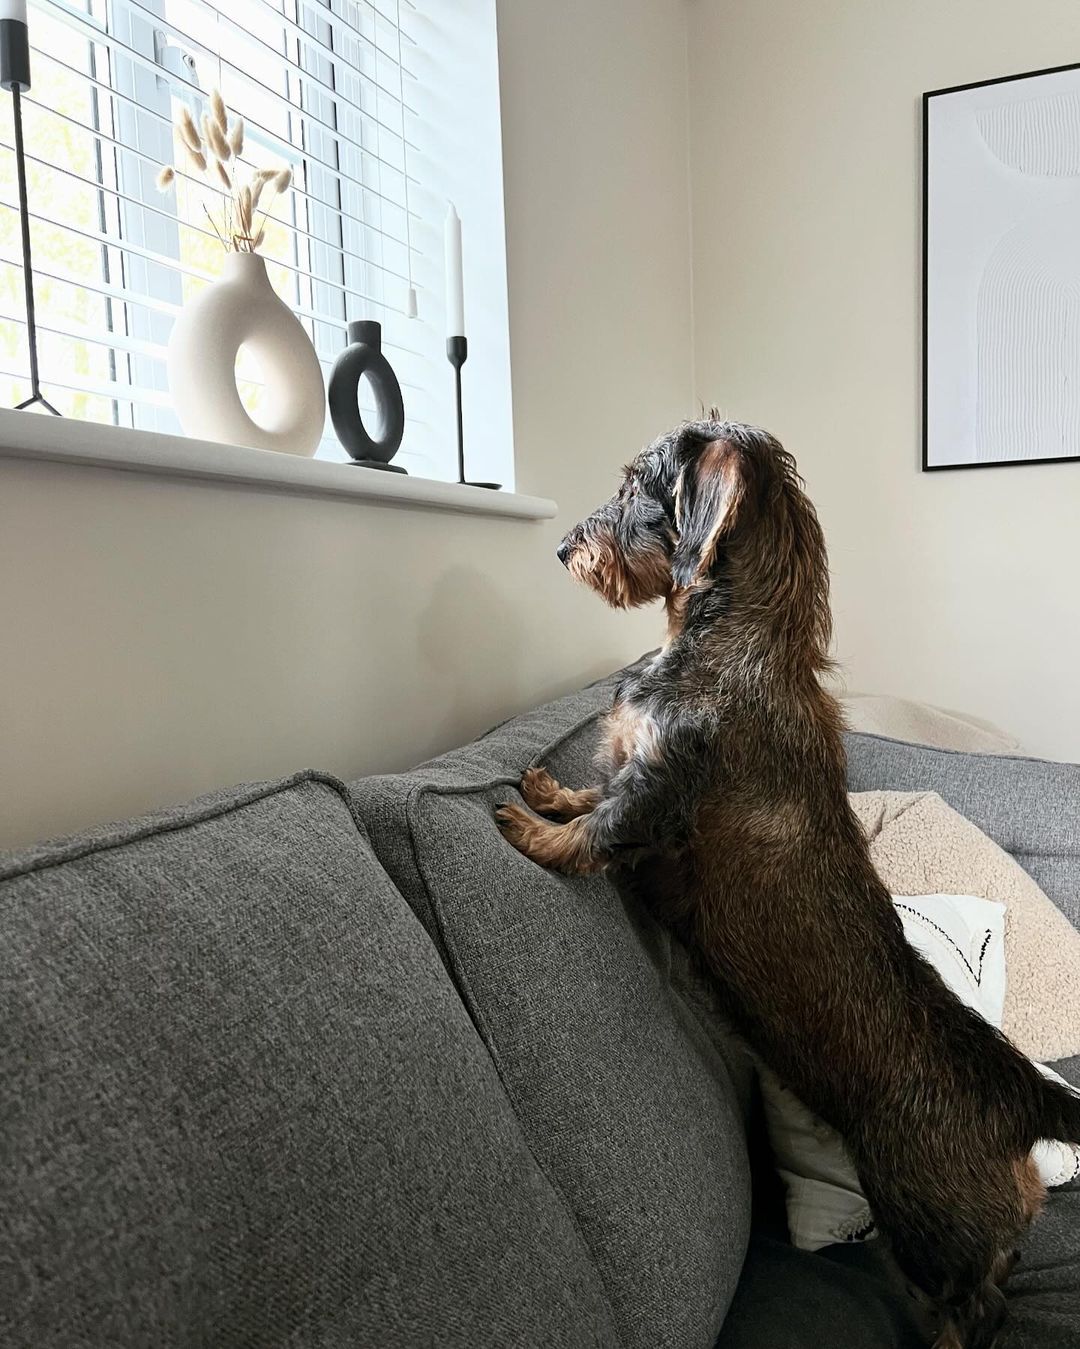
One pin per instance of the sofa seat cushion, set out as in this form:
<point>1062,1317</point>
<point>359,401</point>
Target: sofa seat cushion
<point>1029,807</point>
<point>608,1052</point>
<point>843,1295</point>
<point>243,1105</point>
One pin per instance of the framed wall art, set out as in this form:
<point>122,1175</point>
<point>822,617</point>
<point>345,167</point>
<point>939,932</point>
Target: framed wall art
<point>1001,271</point>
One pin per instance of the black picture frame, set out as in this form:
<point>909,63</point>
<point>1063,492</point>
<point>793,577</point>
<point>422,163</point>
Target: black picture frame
<point>927,467</point>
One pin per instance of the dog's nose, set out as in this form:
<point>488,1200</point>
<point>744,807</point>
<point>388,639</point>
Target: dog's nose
<point>563,552</point>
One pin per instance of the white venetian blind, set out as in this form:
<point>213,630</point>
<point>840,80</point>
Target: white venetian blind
<point>334,90</point>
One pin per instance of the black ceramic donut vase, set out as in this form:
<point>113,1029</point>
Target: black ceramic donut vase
<point>364,356</point>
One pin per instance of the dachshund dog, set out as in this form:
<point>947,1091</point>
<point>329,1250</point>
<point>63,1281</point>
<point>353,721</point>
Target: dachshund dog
<point>722,786</point>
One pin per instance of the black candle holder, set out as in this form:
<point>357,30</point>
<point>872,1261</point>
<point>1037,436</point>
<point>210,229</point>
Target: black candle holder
<point>15,76</point>
<point>457,351</point>
<point>364,356</point>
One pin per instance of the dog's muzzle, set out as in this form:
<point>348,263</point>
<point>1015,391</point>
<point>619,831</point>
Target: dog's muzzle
<point>563,551</point>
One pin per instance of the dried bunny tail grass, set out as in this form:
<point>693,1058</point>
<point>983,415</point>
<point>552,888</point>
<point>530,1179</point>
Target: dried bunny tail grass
<point>217,107</point>
<point>166,175</point>
<point>244,210</point>
<point>221,146</point>
<point>189,132</point>
<point>197,159</point>
<point>279,180</point>
<point>216,141</point>
<point>223,174</point>
<point>236,138</point>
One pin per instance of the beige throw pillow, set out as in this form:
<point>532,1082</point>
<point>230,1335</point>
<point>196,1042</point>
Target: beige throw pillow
<point>919,846</point>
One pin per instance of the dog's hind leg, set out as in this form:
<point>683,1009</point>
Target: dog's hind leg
<point>972,1321</point>
<point>544,795</point>
<point>958,1246</point>
<point>963,1295</point>
<point>974,1317</point>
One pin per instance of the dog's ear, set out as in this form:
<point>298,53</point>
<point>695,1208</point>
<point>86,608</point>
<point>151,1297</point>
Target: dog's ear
<point>707,497</point>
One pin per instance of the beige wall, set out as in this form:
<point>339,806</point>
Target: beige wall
<point>958,588</point>
<point>162,638</point>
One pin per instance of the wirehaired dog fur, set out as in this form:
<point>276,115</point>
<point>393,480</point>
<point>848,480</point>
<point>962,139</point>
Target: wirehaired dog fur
<point>722,784</point>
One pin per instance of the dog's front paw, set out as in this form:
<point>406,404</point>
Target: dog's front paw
<point>541,792</point>
<point>561,847</point>
<point>517,826</point>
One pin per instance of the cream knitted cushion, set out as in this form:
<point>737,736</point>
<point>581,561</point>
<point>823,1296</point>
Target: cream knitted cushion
<point>921,846</point>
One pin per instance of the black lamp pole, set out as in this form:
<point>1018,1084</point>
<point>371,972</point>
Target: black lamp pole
<point>15,75</point>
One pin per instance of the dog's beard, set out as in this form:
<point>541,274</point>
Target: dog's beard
<point>622,580</point>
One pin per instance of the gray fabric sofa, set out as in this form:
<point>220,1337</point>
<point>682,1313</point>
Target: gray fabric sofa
<point>314,1064</point>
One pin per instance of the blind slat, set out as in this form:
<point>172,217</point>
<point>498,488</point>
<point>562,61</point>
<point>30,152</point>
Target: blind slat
<point>114,44</point>
<point>287,149</point>
<point>172,218</point>
<point>29,101</point>
<point>125,393</point>
<point>174,264</point>
<point>134,346</point>
<point>302,35</point>
<point>106,291</point>
<point>325,13</point>
<point>320,15</point>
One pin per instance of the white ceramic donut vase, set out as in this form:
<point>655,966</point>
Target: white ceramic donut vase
<point>243,309</point>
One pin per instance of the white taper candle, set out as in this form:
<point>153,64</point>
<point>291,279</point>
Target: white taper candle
<point>455,281</point>
<point>13,9</point>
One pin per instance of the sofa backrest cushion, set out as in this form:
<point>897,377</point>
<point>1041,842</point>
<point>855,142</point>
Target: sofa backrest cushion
<point>608,1051</point>
<point>1029,807</point>
<point>242,1103</point>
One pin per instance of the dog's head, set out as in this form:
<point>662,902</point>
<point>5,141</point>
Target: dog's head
<point>662,530</point>
<point>710,501</point>
<point>623,550</point>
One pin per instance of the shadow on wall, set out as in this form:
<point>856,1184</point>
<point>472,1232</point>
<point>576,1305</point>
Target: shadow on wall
<point>476,643</point>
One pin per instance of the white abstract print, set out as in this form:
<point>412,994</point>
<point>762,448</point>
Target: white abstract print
<point>1003,272</point>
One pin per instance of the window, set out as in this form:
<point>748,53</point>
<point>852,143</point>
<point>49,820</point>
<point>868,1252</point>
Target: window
<point>383,109</point>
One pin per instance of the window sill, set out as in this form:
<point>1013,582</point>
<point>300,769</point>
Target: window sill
<point>39,436</point>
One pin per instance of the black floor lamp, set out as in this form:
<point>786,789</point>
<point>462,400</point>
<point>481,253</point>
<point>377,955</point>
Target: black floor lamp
<point>15,75</point>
